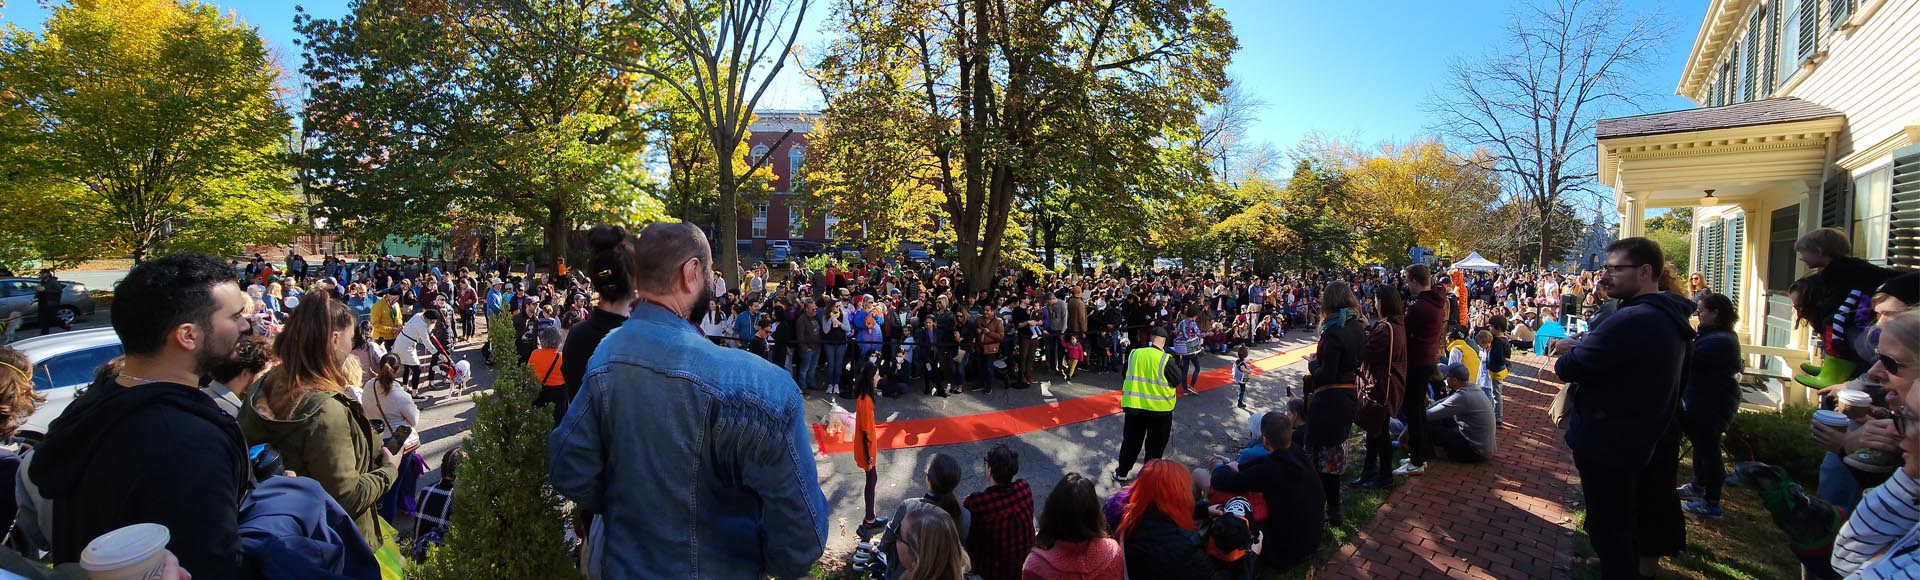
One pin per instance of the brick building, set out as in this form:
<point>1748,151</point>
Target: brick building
<point>774,219</point>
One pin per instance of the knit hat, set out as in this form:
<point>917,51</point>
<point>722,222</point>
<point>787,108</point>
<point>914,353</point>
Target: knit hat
<point>1905,288</point>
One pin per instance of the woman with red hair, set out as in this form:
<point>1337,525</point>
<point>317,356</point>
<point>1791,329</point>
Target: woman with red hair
<point>1157,529</point>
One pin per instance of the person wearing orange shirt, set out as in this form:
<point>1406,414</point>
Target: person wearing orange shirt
<point>545,363</point>
<point>865,454</point>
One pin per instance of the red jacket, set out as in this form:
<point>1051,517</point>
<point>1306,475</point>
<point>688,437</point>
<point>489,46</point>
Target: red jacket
<point>1426,331</point>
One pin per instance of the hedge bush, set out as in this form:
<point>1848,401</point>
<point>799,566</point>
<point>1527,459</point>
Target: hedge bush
<point>1779,438</point>
<point>506,518</point>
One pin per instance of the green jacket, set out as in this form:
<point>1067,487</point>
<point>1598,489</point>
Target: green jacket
<point>330,441</point>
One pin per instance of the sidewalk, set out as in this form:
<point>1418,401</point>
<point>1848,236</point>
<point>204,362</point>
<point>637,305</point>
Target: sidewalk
<point>1507,518</point>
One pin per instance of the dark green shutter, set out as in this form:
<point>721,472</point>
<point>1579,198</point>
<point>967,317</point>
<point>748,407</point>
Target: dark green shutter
<point>1772,64</point>
<point>1836,201</point>
<point>1838,13</point>
<point>1809,28</point>
<point>1903,237</point>
<point>1750,50</point>
<point>1736,254</point>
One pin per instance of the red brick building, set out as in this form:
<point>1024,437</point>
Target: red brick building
<point>774,219</point>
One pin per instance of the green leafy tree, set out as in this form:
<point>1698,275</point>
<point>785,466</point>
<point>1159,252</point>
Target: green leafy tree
<point>1674,232</point>
<point>141,126</point>
<point>1013,97</point>
<point>509,525</point>
<point>416,107</point>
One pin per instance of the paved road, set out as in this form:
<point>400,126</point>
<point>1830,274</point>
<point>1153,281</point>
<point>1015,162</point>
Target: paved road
<point>95,279</point>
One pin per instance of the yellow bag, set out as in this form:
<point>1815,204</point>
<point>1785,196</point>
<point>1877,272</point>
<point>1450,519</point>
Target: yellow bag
<point>392,561</point>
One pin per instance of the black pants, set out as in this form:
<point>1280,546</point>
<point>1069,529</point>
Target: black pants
<point>1413,411</point>
<point>1633,511</point>
<point>1709,467</point>
<point>413,377</point>
<point>466,323</point>
<point>555,399</point>
<point>1151,427</point>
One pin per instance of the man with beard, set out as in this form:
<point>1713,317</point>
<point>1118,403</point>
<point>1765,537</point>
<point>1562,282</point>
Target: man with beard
<point>723,462</point>
<point>145,446</point>
<point>1623,432</point>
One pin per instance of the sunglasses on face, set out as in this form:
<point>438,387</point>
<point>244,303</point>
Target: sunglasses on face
<point>1893,365</point>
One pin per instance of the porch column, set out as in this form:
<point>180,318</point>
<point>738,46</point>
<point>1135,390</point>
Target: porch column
<point>1633,223</point>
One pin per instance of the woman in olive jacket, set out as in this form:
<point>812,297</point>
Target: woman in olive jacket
<point>302,411</point>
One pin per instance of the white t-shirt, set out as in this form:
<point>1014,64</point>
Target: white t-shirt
<point>396,408</point>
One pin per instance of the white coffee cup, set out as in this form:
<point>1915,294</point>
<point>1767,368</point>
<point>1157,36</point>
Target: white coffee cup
<point>136,552</point>
<point>1831,418</point>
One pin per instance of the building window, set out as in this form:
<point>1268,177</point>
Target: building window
<point>796,222</point>
<point>795,157</point>
<point>1838,13</point>
<point>760,220</point>
<point>1789,40</point>
<point>1872,206</point>
<point>759,152</point>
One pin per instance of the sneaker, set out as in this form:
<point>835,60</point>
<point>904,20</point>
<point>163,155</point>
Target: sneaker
<point>1118,478</point>
<point>1700,507</point>
<point>1410,469</point>
<point>1687,492</point>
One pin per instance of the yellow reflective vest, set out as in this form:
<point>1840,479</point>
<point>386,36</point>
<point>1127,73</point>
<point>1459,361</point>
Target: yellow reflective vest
<point>1146,387</point>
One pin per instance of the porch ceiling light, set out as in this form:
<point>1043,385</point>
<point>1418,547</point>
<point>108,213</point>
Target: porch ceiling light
<point>1709,200</point>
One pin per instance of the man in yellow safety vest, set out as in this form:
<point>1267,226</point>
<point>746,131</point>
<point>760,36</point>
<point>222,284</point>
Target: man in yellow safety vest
<point>1146,401</point>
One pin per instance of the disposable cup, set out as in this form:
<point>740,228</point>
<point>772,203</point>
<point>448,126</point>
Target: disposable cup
<point>136,552</point>
<point>1831,418</point>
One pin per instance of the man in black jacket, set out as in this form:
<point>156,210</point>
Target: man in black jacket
<point>1291,487</point>
<point>1624,433</point>
<point>145,446</point>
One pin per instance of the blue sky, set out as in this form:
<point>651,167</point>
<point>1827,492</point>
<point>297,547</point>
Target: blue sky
<point>1359,69</point>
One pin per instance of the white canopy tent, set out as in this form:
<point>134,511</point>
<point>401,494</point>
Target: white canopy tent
<point>1477,263</point>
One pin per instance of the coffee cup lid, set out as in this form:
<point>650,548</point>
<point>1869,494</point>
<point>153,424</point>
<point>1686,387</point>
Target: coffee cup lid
<point>1830,417</point>
<point>124,547</point>
<point>1856,398</point>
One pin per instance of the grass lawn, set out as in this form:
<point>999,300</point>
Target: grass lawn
<point>1742,545</point>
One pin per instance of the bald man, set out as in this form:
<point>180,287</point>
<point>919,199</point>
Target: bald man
<point>673,435</point>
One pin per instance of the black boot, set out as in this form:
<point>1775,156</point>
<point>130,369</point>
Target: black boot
<point>1330,485</point>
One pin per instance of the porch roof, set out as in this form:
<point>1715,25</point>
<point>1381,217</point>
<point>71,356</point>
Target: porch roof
<point>1668,159</point>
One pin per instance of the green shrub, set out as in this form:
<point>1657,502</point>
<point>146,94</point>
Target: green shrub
<point>506,520</point>
<point>1778,438</point>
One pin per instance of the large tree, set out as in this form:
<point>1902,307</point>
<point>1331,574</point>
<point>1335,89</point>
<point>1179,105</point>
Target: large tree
<point>717,57</point>
<point>141,126</point>
<point>1419,193</point>
<point>1013,98</point>
<point>1533,100</point>
<point>419,111</point>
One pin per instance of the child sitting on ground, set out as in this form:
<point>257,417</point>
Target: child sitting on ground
<point>436,506</point>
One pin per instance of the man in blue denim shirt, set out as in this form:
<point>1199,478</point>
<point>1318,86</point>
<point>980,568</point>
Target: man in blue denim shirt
<point>696,456</point>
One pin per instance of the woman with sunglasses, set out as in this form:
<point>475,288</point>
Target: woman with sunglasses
<point>1882,538</point>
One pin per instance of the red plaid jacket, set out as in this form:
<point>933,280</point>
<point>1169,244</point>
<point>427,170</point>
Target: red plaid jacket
<point>1002,531</point>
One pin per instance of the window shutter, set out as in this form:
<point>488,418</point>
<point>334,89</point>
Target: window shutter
<point>1903,236</point>
<point>1750,52</point>
<point>1836,202</point>
<point>1838,13</point>
<point>1714,270</point>
<point>1771,70</point>
<point>1809,28</point>
<point>1736,254</point>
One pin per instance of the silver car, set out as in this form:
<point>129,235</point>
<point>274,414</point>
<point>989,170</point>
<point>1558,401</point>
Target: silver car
<point>62,364</point>
<point>17,295</point>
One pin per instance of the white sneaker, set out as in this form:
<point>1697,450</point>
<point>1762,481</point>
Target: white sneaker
<point>1410,469</point>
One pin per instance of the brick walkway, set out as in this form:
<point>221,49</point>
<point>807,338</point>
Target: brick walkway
<point>1507,518</point>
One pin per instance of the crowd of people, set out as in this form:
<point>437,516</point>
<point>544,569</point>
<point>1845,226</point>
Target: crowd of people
<point>239,401</point>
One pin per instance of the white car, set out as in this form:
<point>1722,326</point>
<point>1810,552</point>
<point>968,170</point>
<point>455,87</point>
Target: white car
<point>62,364</point>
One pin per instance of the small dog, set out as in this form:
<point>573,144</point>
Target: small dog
<point>12,325</point>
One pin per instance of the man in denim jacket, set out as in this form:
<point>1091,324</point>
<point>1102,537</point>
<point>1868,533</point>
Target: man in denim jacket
<point>696,456</point>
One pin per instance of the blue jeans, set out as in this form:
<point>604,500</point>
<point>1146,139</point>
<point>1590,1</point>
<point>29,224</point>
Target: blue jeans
<point>960,370</point>
<point>805,365</point>
<point>1836,483</point>
<point>1493,394</point>
<point>1190,366</point>
<point>836,362</point>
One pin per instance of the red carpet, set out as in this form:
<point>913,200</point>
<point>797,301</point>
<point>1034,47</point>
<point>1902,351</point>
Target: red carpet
<point>984,426</point>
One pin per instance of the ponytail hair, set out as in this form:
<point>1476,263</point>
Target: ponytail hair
<point>610,266</point>
<point>943,475</point>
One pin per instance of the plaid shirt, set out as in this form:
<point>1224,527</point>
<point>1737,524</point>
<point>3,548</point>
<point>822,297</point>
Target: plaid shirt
<point>1002,530</point>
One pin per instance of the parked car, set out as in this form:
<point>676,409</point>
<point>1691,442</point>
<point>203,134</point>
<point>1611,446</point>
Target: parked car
<point>778,256</point>
<point>16,295</point>
<point>62,364</point>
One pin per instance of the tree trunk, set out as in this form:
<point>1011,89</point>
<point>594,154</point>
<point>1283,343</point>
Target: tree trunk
<point>558,228</point>
<point>725,226</point>
<point>1546,230</point>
